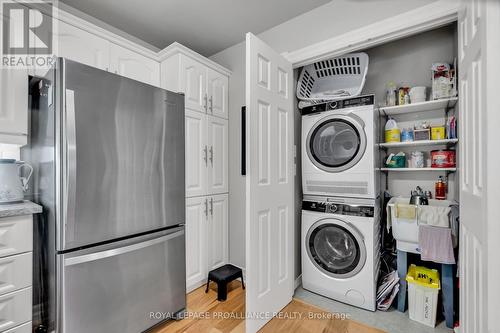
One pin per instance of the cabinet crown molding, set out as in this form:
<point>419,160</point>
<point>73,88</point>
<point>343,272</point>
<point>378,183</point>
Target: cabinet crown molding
<point>178,48</point>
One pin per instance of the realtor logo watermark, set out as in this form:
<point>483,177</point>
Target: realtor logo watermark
<point>27,34</point>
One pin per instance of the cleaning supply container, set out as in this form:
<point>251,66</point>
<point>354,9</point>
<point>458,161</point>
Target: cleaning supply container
<point>423,290</point>
<point>392,132</point>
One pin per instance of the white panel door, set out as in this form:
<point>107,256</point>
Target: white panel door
<point>196,153</point>
<point>269,181</point>
<point>134,65</point>
<point>193,82</point>
<point>196,236</point>
<point>217,85</point>
<point>217,155</point>
<point>479,51</point>
<point>217,235</point>
<point>82,46</point>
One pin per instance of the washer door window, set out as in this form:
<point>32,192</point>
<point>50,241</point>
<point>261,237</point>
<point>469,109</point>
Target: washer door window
<point>336,248</point>
<point>336,143</point>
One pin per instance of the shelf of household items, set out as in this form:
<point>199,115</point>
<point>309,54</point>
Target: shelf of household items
<point>439,104</point>
<point>418,169</point>
<point>444,142</point>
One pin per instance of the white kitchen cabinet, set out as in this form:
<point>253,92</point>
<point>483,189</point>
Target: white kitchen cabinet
<point>217,231</point>
<point>17,234</point>
<point>15,272</point>
<point>203,82</point>
<point>196,236</point>
<point>217,155</point>
<point>15,308</point>
<point>217,85</point>
<point>206,154</point>
<point>196,153</point>
<point>14,106</point>
<point>133,65</point>
<point>81,46</point>
<point>206,237</point>
<point>193,83</point>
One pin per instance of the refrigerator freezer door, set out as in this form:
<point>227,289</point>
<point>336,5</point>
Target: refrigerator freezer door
<point>123,157</point>
<point>115,289</point>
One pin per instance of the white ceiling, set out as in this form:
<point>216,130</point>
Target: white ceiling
<point>206,26</point>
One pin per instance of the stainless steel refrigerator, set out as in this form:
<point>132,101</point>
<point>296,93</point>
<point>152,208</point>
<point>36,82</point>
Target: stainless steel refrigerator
<point>108,158</point>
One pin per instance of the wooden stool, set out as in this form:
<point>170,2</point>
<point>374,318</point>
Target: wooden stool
<point>222,276</point>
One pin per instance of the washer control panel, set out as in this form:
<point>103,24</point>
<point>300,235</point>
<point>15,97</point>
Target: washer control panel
<point>338,208</point>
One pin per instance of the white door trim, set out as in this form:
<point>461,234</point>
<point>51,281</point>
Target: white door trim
<point>412,22</point>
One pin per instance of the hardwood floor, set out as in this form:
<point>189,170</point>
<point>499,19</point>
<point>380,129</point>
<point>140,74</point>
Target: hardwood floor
<point>206,314</point>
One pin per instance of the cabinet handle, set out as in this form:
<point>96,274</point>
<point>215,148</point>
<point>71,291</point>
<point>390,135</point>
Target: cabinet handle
<point>205,155</point>
<point>211,104</point>
<point>212,155</point>
<point>211,206</point>
<point>206,207</point>
<point>206,104</point>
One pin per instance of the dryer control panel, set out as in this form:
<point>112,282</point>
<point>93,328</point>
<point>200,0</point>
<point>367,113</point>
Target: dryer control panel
<point>340,104</point>
<point>338,208</point>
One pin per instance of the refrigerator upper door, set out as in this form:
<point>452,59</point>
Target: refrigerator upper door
<point>124,287</point>
<point>123,156</point>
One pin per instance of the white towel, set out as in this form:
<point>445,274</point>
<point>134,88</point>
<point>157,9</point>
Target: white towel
<point>434,215</point>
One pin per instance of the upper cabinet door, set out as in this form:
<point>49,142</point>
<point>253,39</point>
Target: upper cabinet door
<point>193,83</point>
<point>82,46</point>
<point>217,155</point>
<point>217,94</point>
<point>13,106</point>
<point>196,154</point>
<point>133,65</point>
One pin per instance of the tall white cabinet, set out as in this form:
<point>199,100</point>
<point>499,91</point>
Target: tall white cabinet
<point>204,84</point>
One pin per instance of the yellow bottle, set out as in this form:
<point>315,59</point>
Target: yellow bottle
<point>392,132</point>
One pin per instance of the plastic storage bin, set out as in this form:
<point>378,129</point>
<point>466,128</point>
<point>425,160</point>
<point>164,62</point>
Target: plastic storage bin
<point>333,79</point>
<point>423,290</point>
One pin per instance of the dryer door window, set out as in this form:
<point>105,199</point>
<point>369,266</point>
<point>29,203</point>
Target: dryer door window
<point>336,248</point>
<point>336,143</point>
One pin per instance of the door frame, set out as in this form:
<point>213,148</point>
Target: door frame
<point>409,23</point>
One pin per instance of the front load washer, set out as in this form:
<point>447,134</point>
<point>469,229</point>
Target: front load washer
<point>338,148</point>
<point>341,249</point>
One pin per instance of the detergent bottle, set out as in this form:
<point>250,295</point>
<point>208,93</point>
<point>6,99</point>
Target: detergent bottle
<point>392,132</point>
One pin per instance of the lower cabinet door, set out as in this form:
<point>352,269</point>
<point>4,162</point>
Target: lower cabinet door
<point>217,231</point>
<point>15,308</point>
<point>196,241</point>
<point>16,272</point>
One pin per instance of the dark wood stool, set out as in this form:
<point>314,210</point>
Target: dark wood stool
<point>222,276</point>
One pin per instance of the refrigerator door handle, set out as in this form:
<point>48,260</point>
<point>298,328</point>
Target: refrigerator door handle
<point>122,250</point>
<point>70,174</point>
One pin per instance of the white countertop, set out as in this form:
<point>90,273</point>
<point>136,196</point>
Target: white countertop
<point>19,208</point>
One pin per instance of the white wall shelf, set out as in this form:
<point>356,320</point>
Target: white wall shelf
<point>447,142</point>
<point>440,104</point>
<point>419,169</point>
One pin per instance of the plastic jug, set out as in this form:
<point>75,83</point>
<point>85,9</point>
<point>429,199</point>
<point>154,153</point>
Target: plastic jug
<point>392,132</point>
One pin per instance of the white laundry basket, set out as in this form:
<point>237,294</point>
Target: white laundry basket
<point>333,79</point>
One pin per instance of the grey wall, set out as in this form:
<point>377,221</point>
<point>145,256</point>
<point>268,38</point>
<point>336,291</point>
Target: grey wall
<point>327,21</point>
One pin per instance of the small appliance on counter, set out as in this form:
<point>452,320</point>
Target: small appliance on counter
<point>12,184</point>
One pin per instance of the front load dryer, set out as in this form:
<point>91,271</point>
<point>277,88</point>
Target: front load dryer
<point>338,148</point>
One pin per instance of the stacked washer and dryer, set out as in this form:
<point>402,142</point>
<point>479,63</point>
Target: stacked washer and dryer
<point>341,208</point>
